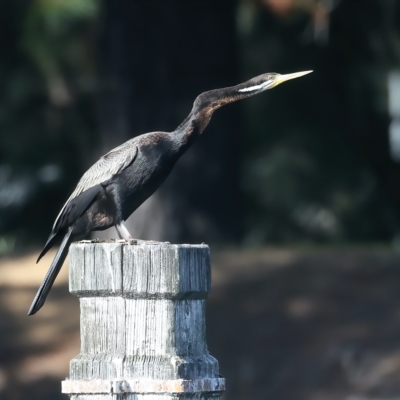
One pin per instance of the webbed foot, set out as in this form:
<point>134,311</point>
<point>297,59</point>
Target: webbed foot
<point>150,242</point>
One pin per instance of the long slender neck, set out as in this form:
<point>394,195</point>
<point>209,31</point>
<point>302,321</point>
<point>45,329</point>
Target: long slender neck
<point>205,105</point>
<point>208,102</point>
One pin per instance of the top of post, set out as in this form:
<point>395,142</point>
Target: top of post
<point>172,271</point>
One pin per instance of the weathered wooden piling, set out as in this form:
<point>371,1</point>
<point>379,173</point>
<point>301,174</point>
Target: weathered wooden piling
<point>142,323</point>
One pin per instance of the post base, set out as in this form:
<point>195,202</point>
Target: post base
<point>143,386</point>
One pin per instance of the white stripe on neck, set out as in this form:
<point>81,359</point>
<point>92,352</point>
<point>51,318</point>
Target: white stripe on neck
<point>256,87</point>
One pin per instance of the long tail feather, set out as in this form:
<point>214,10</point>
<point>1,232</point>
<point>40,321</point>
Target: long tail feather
<point>49,244</point>
<point>51,275</point>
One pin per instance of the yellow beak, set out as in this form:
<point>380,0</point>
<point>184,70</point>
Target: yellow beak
<point>283,78</point>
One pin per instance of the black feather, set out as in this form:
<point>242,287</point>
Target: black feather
<point>51,275</point>
<point>75,208</point>
<point>49,244</point>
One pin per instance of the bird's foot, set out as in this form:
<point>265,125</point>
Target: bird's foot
<point>149,242</point>
<point>121,240</point>
<point>96,240</point>
<point>139,241</point>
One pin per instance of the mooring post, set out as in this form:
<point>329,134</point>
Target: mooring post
<point>142,323</point>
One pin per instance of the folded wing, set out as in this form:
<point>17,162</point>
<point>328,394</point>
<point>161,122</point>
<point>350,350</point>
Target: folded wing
<point>89,186</point>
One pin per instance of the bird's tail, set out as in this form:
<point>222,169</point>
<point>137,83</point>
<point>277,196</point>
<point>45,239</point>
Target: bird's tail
<point>51,275</point>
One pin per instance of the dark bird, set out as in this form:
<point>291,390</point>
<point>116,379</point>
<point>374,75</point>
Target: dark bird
<point>120,181</point>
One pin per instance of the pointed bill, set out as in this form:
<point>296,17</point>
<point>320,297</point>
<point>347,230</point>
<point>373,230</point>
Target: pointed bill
<point>286,77</point>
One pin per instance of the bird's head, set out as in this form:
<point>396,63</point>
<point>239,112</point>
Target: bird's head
<point>267,81</point>
<point>207,102</point>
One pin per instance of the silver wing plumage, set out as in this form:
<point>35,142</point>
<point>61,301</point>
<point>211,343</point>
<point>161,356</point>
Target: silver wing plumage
<point>104,169</point>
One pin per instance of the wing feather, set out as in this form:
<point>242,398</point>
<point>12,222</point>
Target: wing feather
<point>104,169</point>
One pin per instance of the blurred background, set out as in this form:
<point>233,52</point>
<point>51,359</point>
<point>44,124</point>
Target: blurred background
<point>296,190</point>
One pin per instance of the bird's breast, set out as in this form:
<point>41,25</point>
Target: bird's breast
<point>140,180</point>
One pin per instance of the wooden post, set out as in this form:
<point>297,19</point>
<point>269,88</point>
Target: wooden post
<point>142,323</point>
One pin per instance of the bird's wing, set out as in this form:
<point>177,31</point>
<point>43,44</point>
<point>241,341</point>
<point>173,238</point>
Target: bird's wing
<point>89,186</point>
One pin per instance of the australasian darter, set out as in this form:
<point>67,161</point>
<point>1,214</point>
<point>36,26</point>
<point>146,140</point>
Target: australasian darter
<point>120,181</point>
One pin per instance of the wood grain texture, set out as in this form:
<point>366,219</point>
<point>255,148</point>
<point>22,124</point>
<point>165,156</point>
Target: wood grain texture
<point>143,318</point>
<point>154,386</point>
<point>140,396</point>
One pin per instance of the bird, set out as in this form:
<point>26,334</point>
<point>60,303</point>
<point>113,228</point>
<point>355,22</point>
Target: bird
<point>121,180</point>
